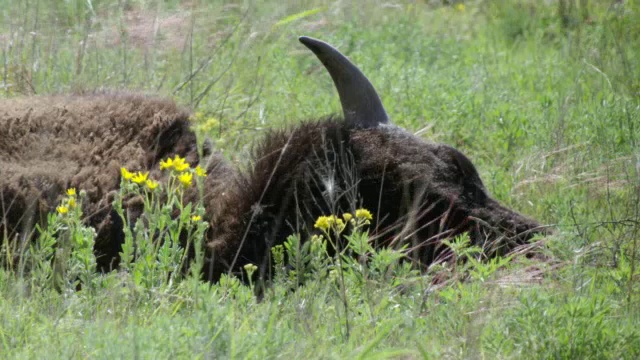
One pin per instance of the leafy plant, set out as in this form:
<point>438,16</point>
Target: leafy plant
<point>155,252</point>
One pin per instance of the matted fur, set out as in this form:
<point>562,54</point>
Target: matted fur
<point>50,144</point>
<point>418,192</point>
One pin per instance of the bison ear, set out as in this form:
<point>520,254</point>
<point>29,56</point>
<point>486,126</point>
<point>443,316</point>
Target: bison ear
<point>361,104</point>
<point>463,164</point>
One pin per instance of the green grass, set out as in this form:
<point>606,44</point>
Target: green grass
<point>545,100</point>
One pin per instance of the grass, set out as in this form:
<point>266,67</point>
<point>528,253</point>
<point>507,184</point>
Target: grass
<point>544,98</point>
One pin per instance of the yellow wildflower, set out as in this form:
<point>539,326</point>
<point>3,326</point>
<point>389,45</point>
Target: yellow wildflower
<point>62,209</point>
<point>166,164</point>
<point>347,217</point>
<point>140,177</point>
<point>179,164</point>
<point>185,179</point>
<point>198,115</point>
<point>196,218</point>
<point>71,202</point>
<point>363,214</point>
<point>250,268</point>
<point>200,171</point>
<point>71,191</point>
<point>326,222</point>
<point>323,223</point>
<point>206,125</point>
<point>151,184</point>
<point>126,174</point>
<point>181,167</point>
<point>460,7</point>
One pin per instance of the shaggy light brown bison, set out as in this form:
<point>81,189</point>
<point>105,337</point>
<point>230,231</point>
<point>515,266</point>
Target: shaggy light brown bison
<point>419,192</point>
<point>49,144</point>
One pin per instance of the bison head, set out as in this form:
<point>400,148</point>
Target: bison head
<point>419,192</point>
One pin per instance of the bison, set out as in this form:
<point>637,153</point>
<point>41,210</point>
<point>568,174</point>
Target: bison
<point>419,192</point>
<point>49,144</point>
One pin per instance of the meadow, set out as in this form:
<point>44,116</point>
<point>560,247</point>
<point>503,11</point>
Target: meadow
<point>543,96</point>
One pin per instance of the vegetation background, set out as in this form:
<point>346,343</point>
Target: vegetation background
<point>544,96</point>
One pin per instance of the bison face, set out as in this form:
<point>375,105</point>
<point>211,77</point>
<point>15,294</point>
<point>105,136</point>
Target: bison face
<point>421,192</point>
<point>418,192</point>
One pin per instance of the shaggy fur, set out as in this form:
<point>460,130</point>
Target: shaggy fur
<point>49,144</point>
<point>418,192</point>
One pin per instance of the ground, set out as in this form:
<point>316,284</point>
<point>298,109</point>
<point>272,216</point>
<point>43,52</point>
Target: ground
<point>545,99</point>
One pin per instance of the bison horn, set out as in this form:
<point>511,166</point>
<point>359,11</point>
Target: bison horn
<point>360,101</point>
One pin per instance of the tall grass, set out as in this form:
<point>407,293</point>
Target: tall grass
<point>543,96</point>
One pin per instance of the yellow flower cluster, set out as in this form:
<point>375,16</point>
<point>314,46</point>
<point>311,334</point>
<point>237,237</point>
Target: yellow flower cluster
<point>185,179</point>
<point>140,178</point>
<point>68,203</point>
<point>151,184</point>
<point>324,223</point>
<point>200,171</point>
<point>205,124</point>
<point>250,268</point>
<point>126,174</point>
<point>363,214</point>
<point>329,222</point>
<point>177,163</point>
<point>183,168</point>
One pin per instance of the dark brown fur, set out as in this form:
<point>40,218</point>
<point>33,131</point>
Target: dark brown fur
<point>49,144</point>
<point>418,192</point>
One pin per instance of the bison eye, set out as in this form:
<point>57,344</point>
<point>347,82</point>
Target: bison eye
<point>475,194</point>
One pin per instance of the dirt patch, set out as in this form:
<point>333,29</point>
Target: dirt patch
<point>146,30</point>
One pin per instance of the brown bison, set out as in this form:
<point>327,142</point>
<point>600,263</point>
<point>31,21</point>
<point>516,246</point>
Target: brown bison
<point>49,144</point>
<point>418,192</point>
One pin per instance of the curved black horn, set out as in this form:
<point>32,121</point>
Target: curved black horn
<point>360,101</point>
